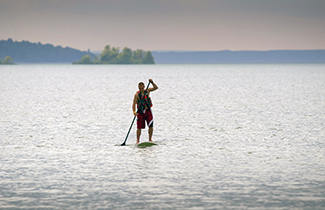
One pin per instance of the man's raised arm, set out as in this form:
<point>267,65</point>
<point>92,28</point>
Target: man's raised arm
<point>155,87</point>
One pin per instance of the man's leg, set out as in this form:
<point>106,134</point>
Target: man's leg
<point>138,135</point>
<point>150,124</point>
<point>140,124</point>
<point>150,131</point>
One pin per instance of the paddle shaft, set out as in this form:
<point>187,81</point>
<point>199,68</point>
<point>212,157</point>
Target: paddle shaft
<point>127,135</point>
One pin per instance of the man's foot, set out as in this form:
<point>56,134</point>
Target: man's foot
<point>151,141</point>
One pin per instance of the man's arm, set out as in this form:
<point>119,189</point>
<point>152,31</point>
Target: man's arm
<point>134,103</point>
<point>155,87</point>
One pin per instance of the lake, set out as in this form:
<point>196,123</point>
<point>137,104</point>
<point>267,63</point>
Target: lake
<point>229,137</point>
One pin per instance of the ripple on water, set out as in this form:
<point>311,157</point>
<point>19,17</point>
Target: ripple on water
<point>229,136</point>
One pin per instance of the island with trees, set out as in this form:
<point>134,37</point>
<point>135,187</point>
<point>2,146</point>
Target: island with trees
<point>115,56</point>
<point>7,61</point>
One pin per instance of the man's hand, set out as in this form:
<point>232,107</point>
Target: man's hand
<point>155,87</point>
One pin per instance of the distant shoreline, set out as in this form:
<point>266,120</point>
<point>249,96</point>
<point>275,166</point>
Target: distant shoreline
<point>239,57</point>
<point>36,53</point>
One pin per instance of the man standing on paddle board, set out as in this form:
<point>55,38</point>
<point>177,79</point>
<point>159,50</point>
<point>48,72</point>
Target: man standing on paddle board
<point>144,104</point>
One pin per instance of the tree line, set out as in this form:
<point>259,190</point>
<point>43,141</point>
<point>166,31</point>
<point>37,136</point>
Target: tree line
<point>115,56</point>
<point>27,52</point>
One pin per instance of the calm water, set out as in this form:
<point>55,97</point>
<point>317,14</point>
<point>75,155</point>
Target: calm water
<point>229,137</point>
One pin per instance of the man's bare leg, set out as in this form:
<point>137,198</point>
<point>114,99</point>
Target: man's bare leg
<point>150,131</point>
<point>138,136</point>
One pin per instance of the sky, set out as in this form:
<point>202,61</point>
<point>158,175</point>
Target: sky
<point>168,25</point>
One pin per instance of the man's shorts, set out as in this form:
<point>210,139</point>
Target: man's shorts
<point>143,117</point>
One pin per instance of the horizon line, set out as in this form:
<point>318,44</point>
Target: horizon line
<point>176,51</point>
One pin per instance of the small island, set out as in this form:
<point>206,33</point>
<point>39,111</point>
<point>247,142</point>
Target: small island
<point>7,61</point>
<point>115,56</point>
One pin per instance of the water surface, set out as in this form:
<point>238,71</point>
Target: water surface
<point>229,136</point>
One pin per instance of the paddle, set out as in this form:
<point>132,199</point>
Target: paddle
<point>123,144</point>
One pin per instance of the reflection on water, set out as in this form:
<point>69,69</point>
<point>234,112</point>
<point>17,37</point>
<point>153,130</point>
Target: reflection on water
<point>229,136</point>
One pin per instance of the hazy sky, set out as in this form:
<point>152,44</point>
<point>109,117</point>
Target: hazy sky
<point>201,25</point>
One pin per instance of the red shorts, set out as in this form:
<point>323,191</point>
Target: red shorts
<point>143,117</point>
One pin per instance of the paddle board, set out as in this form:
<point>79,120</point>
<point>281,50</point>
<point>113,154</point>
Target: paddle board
<point>146,144</point>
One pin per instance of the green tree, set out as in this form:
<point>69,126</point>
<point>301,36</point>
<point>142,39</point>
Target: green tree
<point>86,59</point>
<point>0,61</point>
<point>138,56</point>
<point>109,55</point>
<point>148,58</point>
<point>8,60</point>
<point>115,56</point>
<point>96,60</point>
<point>125,57</point>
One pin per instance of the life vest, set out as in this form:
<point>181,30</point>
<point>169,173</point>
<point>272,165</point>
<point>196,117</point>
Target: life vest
<point>144,101</point>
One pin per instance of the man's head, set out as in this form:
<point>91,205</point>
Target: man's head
<point>141,87</point>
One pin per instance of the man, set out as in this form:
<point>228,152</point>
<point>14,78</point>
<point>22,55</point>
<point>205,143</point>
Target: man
<point>143,101</point>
